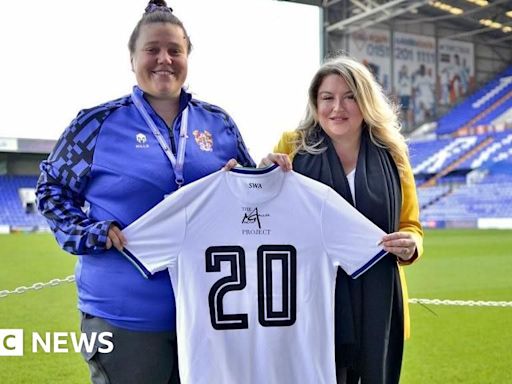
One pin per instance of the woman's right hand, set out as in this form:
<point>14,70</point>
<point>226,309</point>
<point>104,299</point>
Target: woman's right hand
<point>115,238</point>
<point>280,159</point>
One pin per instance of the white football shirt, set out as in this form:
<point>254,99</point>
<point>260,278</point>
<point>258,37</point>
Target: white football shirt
<point>252,255</point>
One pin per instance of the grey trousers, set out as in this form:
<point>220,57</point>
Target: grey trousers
<point>137,357</point>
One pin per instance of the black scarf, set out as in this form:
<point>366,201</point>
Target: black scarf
<point>368,310</point>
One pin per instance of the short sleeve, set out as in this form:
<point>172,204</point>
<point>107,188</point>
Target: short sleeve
<point>350,239</point>
<point>154,240</point>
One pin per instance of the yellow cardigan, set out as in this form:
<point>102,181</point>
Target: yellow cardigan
<point>409,217</point>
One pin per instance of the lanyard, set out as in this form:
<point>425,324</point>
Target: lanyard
<point>177,164</point>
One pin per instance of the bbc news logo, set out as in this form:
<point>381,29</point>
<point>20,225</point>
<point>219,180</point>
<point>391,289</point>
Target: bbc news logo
<point>11,342</point>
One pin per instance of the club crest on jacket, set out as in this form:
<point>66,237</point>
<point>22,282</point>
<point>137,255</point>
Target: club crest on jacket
<point>204,140</point>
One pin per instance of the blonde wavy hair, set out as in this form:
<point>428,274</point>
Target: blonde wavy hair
<point>380,115</point>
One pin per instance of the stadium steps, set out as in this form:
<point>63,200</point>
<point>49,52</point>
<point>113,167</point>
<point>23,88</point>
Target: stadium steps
<point>453,165</point>
<point>497,152</point>
<point>474,121</point>
<point>471,202</point>
<point>438,197</point>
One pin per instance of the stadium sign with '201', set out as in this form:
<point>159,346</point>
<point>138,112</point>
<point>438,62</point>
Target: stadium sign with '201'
<point>11,342</point>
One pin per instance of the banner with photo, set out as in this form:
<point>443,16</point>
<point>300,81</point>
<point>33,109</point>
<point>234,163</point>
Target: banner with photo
<point>456,70</point>
<point>414,76</point>
<point>373,48</point>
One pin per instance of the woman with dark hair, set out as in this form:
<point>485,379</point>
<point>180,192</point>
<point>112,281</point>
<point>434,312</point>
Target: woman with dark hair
<point>111,165</point>
<point>350,140</point>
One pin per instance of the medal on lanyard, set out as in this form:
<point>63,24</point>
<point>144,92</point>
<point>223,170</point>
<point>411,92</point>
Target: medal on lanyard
<point>177,164</point>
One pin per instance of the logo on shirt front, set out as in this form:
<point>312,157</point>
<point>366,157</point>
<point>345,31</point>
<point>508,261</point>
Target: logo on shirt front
<point>253,217</point>
<point>141,141</point>
<point>204,140</point>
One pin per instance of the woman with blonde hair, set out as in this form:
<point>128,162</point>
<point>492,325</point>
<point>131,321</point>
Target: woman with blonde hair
<point>350,140</point>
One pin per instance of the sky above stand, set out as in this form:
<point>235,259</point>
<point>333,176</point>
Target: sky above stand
<point>254,58</point>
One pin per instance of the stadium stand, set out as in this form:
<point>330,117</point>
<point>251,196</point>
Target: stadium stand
<point>438,154</point>
<point>463,177</point>
<point>476,186</point>
<point>485,105</point>
<point>13,211</point>
<point>484,173</point>
<point>19,170</point>
<point>428,196</point>
<point>500,149</point>
<point>472,202</point>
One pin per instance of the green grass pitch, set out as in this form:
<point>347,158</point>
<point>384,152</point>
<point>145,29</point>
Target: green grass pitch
<point>470,345</point>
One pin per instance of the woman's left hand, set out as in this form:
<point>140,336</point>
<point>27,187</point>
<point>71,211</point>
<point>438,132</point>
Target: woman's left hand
<point>401,244</point>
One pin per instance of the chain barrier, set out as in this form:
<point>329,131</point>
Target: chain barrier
<point>37,286</point>
<point>460,303</point>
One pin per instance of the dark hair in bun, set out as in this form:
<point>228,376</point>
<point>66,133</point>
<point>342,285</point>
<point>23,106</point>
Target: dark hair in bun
<point>157,11</point>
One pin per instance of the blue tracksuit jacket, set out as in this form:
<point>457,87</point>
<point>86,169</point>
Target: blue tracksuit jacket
<point>108,167</point>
